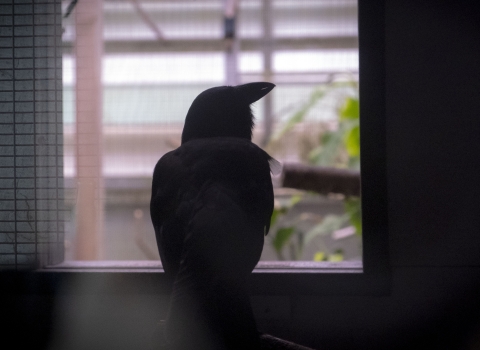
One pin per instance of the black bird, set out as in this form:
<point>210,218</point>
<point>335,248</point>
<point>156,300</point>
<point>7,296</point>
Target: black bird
<point>212,200</point>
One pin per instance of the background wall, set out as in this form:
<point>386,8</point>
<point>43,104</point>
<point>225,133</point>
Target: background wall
<point>433,148</point>
<point>433,90</point>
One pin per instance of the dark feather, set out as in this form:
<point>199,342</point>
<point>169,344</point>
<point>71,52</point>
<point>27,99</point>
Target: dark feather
<point>212,199</point>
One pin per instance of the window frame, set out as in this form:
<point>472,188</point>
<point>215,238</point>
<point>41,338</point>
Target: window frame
<point>371,277</point>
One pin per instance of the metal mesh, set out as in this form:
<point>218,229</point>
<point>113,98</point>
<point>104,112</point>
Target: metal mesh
<point>31,134</point>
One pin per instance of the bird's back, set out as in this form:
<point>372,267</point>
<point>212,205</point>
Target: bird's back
<point>206,173</point>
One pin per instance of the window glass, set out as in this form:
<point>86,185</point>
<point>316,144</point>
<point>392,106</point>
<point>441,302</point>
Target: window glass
<point>153,58</point>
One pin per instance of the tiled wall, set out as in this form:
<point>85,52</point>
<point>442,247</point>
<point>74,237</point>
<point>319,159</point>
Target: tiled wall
<point>31,134</point>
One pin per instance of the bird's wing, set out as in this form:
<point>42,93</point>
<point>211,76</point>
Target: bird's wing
<point>169,179</point>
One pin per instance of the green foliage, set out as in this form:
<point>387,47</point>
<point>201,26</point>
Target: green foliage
<point>329,224</point>
<point>354,211</point>
<point>326,152</point>
<point>339,148</point>
<point>350,109</point>
<point>279,210</point>
<point>299,116</point>
<point>351,140</point>
<point>350,118</point>
<point>336,256</point>
<point>281,237</point>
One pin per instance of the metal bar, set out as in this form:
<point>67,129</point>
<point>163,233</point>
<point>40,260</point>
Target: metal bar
<point>295,78</point>
<point>88,92</point>
<point>212,45</point>
<point>267,18</point>
<point>148,21</point>
<point>232,44</point>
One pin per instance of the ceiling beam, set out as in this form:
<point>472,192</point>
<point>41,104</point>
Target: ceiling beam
<point>212,45</point>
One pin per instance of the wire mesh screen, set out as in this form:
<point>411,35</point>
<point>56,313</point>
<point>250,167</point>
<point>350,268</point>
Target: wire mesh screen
<point>157,56</point>
<point>31,151</point>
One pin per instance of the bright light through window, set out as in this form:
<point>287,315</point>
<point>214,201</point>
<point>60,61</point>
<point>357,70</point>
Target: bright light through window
<point>157,58</point>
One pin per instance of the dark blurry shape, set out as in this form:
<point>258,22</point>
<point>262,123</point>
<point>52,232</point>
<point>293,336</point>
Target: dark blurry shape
<point>212,199</point>
<point>231,42</point>
<point>27,315</point>
<point>267,342</point>
<point>323,180</point>
<point>229,28</point>
<point>229,13</point>
<point>70,8</point>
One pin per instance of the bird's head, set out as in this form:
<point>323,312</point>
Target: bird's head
<point>224,111</point>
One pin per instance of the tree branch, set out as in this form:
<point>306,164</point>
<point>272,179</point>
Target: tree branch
<point>322,180</point>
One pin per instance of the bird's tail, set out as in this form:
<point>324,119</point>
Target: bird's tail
<point>210,308</point>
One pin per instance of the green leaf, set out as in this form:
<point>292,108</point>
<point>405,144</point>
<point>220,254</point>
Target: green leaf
<point>291,122</point>
<point>353,208</point>
<point>352,141</point>
<point>325,154</point>
<point>337,256</point>
<point>316,95</point>
<point>320,256</point>
<point>274,217</point>
<point>294,200</point>
<point>282,237</point>
<point>350,109</point>
<point>329,224</point>
<point>282,210</point>
<point>298,116</point>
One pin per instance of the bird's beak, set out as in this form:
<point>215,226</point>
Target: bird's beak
<point>253,92</point>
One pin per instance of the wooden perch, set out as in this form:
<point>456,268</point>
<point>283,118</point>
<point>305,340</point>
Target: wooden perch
<point>322,180</point>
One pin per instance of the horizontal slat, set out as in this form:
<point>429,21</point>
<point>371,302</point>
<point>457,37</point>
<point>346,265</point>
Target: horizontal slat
<point>212,45</point>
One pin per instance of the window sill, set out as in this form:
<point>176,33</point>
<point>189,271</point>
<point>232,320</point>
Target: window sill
<point>269,278</point>
<point>149,266</point>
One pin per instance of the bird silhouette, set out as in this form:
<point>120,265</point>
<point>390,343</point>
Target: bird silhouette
<point>212,200</point>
